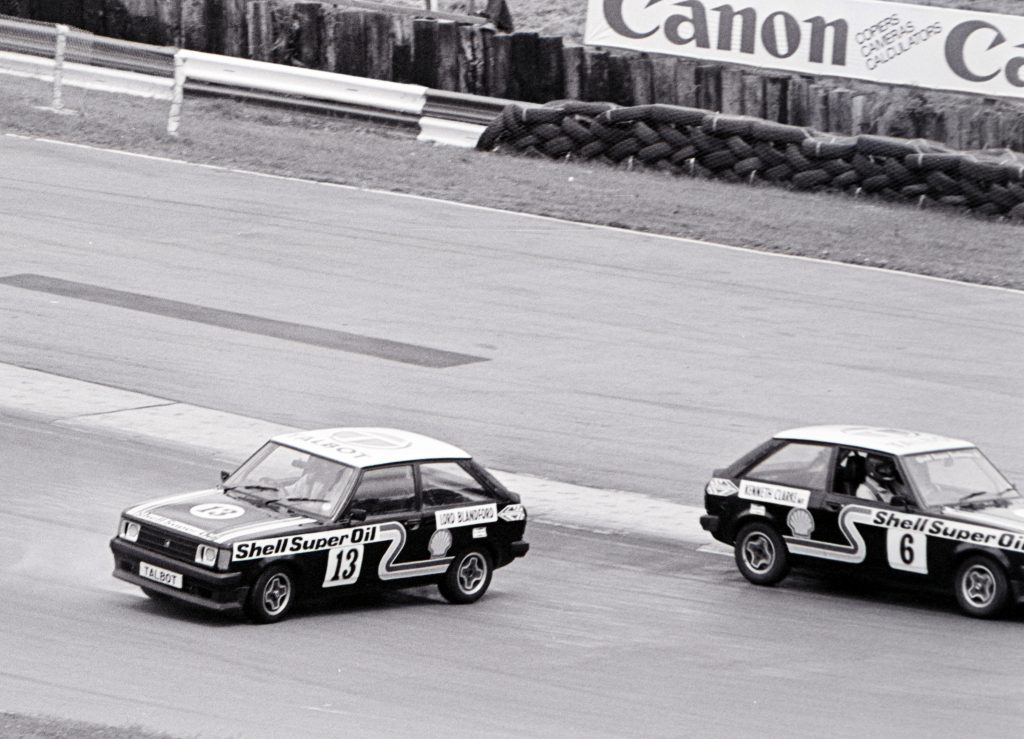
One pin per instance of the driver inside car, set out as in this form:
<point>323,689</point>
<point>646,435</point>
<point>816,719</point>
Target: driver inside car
<point>880,481</point>
<point>319,482</point>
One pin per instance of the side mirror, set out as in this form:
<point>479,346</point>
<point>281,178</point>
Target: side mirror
<point>224,475</point>
<point>357,514</point>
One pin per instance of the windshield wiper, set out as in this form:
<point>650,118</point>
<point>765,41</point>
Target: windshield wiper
<point>970,496</point>
<point>250,487</point>
<point>249,490</point>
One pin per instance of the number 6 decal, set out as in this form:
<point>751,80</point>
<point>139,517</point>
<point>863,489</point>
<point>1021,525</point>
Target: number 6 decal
<point>343,565</point>
<point>907,550</point>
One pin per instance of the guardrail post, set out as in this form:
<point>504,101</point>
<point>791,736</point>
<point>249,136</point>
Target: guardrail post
<point>177,95</point>
<point>58,66</point>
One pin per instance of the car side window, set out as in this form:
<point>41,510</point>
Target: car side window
<point>795,464</point>
<point>385,490</point>
<point>447,483</point>
<point>867,475</point>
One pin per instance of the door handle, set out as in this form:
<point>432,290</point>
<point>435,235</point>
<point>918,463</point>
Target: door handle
<point>834,506</point>
<point>413,523</point>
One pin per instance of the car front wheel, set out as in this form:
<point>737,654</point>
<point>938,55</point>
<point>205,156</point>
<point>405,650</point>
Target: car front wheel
<point>468,577</point>
<point>981,587</point>
<point>761,554</point>
<point>272,596</point>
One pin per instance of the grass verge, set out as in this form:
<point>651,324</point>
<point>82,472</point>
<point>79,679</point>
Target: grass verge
<point>819,225</point>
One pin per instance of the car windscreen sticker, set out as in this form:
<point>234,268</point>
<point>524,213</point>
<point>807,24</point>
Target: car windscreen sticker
<point>469,516</point>
<point>778,494</point>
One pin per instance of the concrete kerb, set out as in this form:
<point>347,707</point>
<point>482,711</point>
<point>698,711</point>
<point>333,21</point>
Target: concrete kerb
<point>230,438</point>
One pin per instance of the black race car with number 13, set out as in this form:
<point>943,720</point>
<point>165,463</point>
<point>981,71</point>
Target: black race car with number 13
<point>316,513</point>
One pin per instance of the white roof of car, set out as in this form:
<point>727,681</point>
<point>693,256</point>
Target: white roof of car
<point>368,447</point>
<point>875,438</point>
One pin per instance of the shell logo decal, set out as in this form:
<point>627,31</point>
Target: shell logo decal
<point>440,543</point>
<point>800,522</point>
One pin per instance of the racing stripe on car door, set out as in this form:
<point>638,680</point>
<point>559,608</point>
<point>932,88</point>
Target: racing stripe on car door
<point>388,569</point>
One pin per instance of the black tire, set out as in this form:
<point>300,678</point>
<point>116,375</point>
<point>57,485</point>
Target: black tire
<point>468,577</point>
<point>761,554</point>
<point>577,131</point>
<point>623,149</point>
<point>654,151</point>
<point>647,135</point>
<point>811,179</point>
<point>778,132</point>
<point>885,146</point>
<point>558,146</point>
<point>272,597</point>
<point>535,116</point>
<point>981,587</point>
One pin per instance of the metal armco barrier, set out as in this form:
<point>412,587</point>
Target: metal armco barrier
<point>87,77</point>
<point>306,83</point>
<point>689,141</point>
<point>31,49</point>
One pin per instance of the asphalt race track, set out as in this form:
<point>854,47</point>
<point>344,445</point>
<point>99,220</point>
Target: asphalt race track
<point>586,636</point>
<point>613,359</point>
<point>579,354</point>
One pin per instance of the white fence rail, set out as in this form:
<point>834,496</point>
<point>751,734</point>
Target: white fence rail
<point>40,51</point>
<point>309,83</point>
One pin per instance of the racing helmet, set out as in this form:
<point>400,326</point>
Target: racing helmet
<point>881,469</point>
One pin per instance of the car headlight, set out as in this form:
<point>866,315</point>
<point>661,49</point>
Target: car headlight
<point>128,530</point>
<point>206,555</point>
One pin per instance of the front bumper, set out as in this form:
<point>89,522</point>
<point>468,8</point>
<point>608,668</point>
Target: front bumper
<point>217,591</point>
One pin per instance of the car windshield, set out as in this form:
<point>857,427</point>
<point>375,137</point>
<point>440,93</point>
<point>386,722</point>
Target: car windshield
<point>280,475</point>
<point>957,477</point>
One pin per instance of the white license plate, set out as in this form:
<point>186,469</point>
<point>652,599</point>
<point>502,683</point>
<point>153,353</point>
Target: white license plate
<point>160,575</point>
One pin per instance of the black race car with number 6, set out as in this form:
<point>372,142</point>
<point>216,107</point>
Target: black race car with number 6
<point>321,512</point>
<point>912,507</point>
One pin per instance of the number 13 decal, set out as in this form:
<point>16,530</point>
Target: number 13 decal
<point>343,565</point>
<point>907,550</point>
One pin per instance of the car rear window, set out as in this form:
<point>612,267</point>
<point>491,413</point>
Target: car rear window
<point>796,464</point>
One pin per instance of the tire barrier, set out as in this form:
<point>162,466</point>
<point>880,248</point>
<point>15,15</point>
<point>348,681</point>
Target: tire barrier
<point>699,143</point>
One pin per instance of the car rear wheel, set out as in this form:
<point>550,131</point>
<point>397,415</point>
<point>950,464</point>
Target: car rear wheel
<point>761,554</point>
<point>272,596</point>
<point>981,587</point>
<point>468,577</point>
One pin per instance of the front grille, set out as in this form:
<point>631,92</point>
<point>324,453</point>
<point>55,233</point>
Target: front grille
<point>167,543</point>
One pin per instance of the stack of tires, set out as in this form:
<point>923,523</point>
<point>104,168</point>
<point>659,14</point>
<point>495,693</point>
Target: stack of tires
<point>689,141</point>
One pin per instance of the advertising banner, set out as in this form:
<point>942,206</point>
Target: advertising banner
<point>892,43</point>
